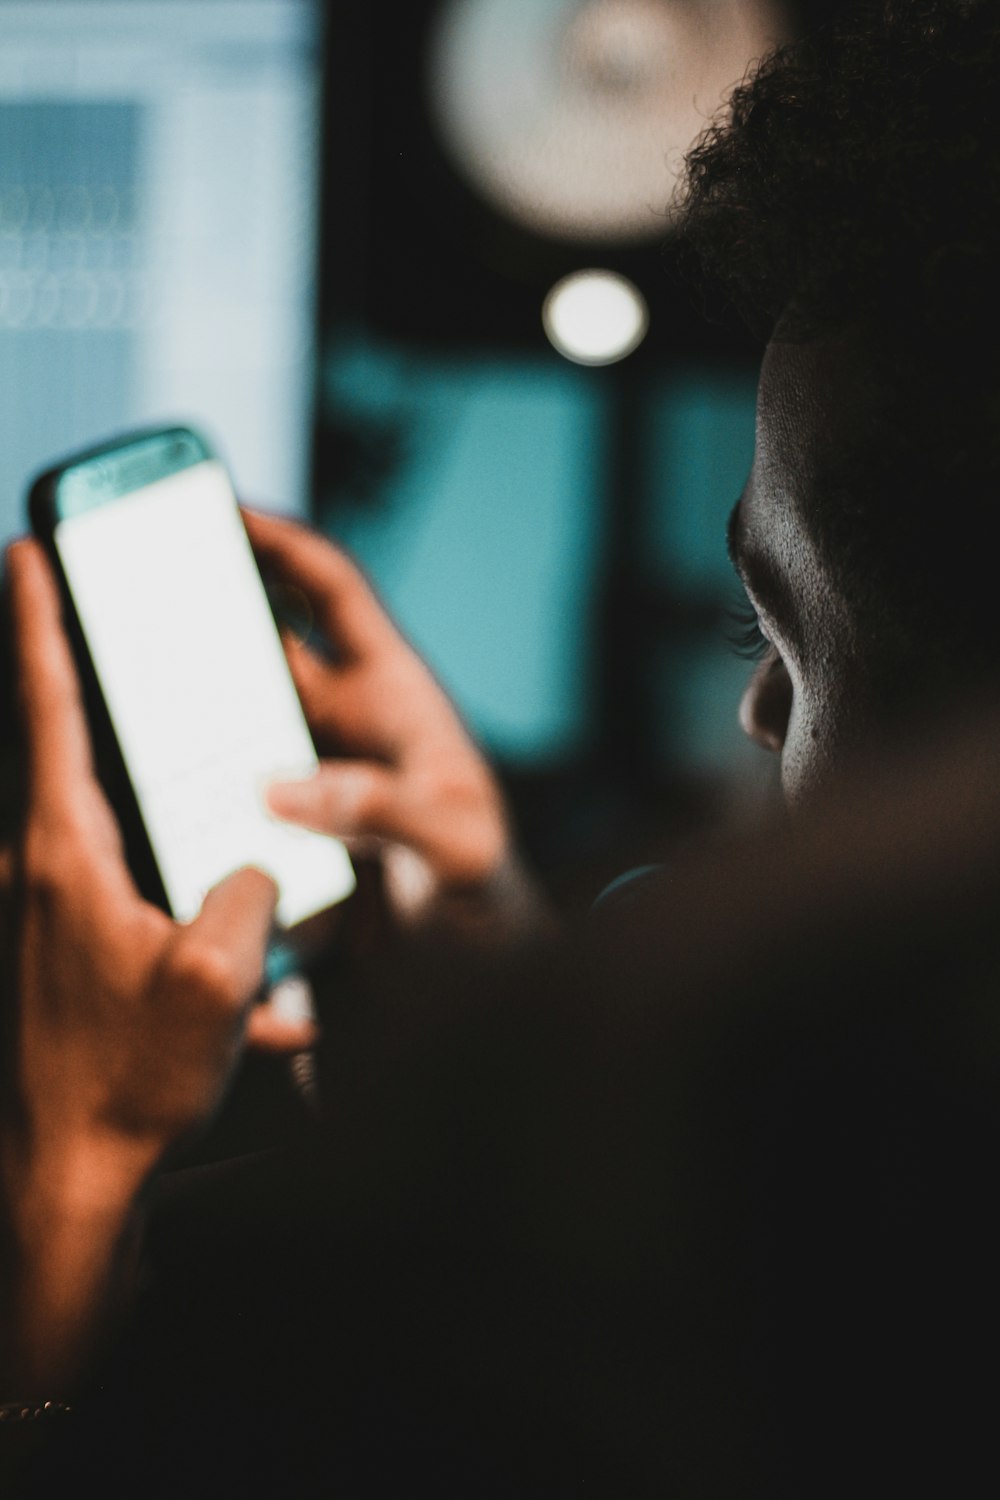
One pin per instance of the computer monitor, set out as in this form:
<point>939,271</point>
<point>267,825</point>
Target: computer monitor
<point>158,186</point>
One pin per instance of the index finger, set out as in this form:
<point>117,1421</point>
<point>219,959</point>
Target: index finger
<point>58,743</point>
<point>341,597</point>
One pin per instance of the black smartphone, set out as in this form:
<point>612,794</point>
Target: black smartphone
<point>191,704</point>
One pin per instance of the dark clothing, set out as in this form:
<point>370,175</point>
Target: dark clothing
<point>707,1214</point>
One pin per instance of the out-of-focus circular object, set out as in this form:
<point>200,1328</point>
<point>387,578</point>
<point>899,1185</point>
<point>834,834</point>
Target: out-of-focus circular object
<point>573,116</point>
<point>595,317</point>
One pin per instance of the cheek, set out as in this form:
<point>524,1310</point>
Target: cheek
<point>803,742</point>
<point>817,743</point>
<point>802,755</point>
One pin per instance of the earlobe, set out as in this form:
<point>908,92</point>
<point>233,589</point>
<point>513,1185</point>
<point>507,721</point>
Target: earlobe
<point>766,706</point>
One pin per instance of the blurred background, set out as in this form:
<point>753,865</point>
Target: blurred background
<point>342,240</point>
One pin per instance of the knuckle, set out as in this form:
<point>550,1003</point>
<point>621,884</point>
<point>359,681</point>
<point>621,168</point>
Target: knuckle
<point>210,973</point>
<point>45,861</point>
<point>357,801</point>
<point>457,788</point>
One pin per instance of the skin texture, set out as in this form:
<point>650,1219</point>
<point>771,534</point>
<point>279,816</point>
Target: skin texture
<point>811,700</point>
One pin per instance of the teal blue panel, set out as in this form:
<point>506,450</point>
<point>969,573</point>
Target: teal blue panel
<point>701,451</point>
<point>485,542</point>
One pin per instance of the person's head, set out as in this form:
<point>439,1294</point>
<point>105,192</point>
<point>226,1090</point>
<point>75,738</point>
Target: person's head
<point>850,202</point>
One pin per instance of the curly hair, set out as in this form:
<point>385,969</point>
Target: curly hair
<point>854,184</point>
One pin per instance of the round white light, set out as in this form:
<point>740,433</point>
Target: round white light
<point>573,116</point>
<point>595,317</point>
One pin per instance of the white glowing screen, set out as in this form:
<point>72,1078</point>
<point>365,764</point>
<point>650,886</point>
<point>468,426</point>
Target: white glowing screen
<point>194,676</point>
<point>595,317</point>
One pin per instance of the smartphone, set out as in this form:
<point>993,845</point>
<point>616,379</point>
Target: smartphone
<point>191,704</point>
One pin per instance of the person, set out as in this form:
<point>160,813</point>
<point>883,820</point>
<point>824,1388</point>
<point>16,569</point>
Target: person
<point>632,1208</point>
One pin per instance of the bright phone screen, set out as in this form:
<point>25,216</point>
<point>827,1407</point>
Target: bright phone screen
<point>186,651</point>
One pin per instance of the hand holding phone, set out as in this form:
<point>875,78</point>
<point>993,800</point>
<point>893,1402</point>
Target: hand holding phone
<point>128,1024</point>
<point>407,784</point>
<point>191,703</point>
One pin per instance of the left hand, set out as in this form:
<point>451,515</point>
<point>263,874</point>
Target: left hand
<point>126,1024</point>
<point>129,1022</point>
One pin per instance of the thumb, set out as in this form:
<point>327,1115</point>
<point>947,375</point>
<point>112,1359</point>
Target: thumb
<point>233,926</point>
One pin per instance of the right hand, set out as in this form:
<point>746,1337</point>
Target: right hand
<point>408,784</point>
